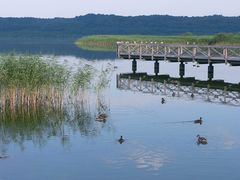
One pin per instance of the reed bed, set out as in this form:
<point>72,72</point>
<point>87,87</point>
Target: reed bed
<point>31,82</point>
<point>40,96</point>
<point>27,80</point>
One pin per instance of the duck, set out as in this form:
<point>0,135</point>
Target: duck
<point>163,100</point>
<point>201,140</point>
<point>198,121</point>
<point>192,95</point>
<point>121,140</point>
<point>101,117</point>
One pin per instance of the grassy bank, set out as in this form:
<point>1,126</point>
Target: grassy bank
<point>108,42</point>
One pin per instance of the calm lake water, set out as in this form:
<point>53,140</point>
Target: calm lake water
<point>160,139</point>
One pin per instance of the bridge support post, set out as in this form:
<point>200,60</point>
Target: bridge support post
<point>210,71</point>
<point>117,78</point>
<point>156,67</point>
<point>134,66</point>
<point>181,69</point>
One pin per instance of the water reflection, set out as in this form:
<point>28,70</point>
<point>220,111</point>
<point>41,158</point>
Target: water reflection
<point>143,158</point>
<point>57,49</point>
<point>25,124</point>
<point>148,159</point>
<point>40,124</point>
<point>216,91</point>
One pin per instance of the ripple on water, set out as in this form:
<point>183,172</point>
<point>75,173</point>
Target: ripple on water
<point>148,159</point>
<point>142,157</point>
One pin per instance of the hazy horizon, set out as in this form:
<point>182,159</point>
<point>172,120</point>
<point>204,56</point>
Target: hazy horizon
<point>72,8</point>
<point>113,15</point>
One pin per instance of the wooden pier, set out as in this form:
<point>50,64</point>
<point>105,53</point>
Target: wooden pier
<point>202,54</point>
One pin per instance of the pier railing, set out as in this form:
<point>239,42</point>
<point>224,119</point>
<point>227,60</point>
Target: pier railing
<point>179,52</point>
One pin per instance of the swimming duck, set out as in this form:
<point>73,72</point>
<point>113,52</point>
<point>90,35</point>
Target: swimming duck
<point>198,121</point>
<point>192,95</point>
<point>201,140</point>
<point>101,117</point>
<point>163,100</point>
<point>121,140</point>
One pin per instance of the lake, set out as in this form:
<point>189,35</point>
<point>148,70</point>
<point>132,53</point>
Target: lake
<point>160,138</point>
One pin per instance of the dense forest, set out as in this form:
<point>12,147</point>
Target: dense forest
<point>93,24</point>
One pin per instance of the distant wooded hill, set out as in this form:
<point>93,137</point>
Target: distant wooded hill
<point>73,28</point>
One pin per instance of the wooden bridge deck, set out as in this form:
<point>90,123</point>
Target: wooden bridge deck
<point>202,54</point>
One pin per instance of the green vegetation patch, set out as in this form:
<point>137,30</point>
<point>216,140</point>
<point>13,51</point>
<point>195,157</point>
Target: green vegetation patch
<point>32,82</point>
<point>40,95</point>
<point>108,42</point>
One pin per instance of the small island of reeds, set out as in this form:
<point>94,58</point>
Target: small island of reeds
<point>108,42</point>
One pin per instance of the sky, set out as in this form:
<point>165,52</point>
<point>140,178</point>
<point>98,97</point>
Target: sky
<point>72,8</point>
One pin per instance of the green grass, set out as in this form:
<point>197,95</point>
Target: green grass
<point>108,42</point>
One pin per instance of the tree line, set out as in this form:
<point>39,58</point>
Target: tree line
<point>97,24</point>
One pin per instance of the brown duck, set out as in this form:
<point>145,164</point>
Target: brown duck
<point>101,117</point>
<point>201,140</point>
